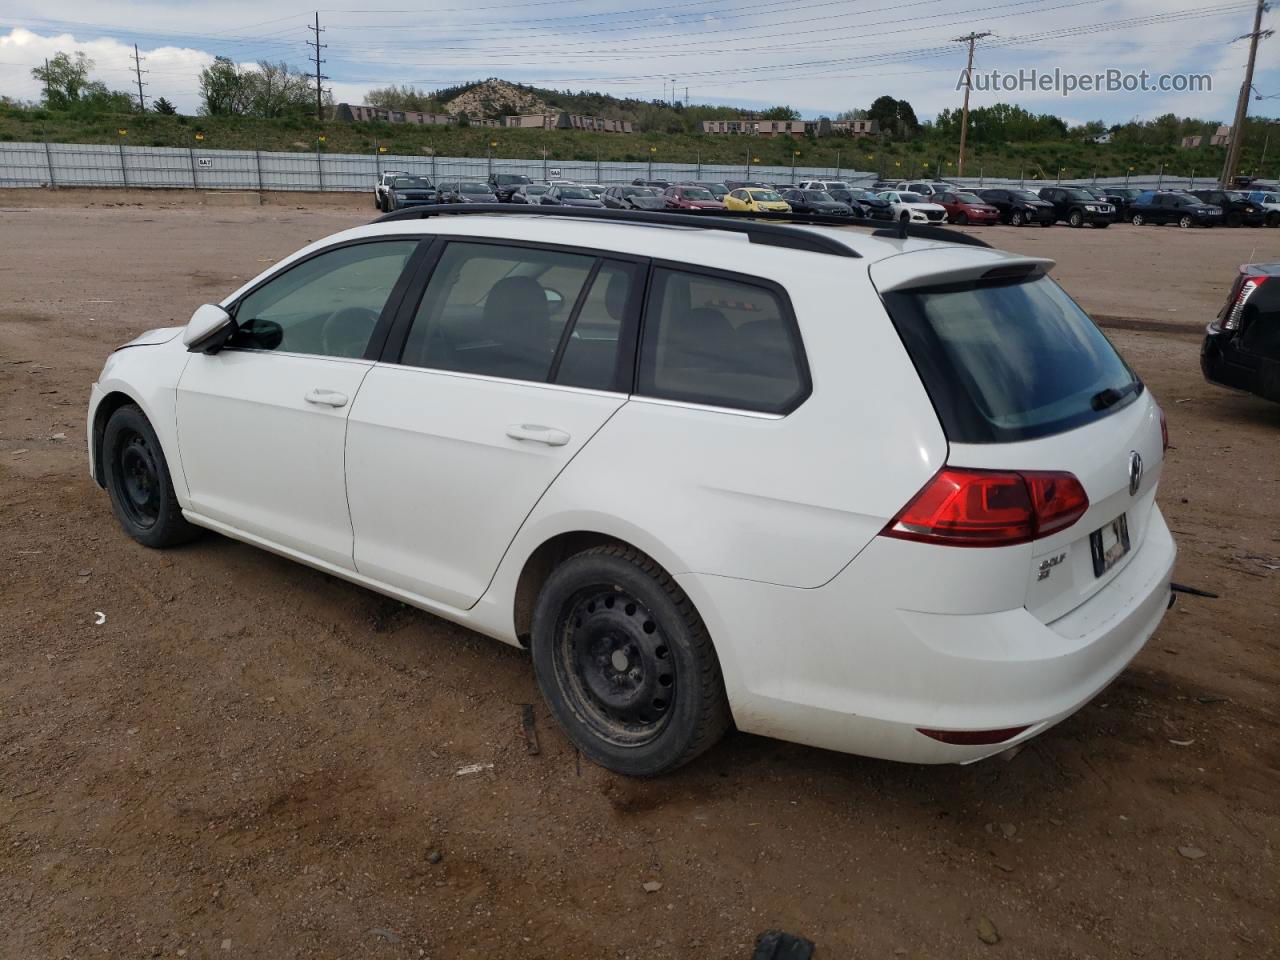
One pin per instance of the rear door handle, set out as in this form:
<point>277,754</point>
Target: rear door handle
<point>538,434</point>
<point>326,398</point>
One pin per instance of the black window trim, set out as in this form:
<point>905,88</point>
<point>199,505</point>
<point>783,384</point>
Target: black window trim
<point>389,309</point>
<point>788,317</point>
<point>628,337</point>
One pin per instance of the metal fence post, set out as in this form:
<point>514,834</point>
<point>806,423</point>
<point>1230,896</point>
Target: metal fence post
<point>191,155</point>
<point>319,168</point>
<point>544,163</point>
<point>597,165</point>
<point>48,159</point>
<point>124,175</point>
<point>257,162</point>
<point>699,175</point>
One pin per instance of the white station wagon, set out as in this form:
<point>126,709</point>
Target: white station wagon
<point>890,496</point>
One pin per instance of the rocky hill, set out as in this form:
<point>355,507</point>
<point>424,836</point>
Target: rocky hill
<point>495,97</point>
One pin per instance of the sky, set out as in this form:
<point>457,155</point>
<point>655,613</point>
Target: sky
<point>819,56</point>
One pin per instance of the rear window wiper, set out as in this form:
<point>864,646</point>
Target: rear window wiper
<point>1111,396</point>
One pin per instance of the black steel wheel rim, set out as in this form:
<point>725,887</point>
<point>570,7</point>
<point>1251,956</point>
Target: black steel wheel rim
<point>138,476</point>
<point>615,665</point>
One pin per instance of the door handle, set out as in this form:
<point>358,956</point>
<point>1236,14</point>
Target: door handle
<point>538,434</point>
<point>326,398</point>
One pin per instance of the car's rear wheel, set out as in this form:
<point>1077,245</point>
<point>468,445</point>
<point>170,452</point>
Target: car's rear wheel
<point>625,663</point>
<point>1186,222</point>
<point>139,484</point>
<point>1137,219</point>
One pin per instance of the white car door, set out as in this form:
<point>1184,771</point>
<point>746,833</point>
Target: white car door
<point>262,423</point>
<point>512,360</point>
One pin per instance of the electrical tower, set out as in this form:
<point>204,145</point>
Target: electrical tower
<point>138,72</point>
<point>317,30</point>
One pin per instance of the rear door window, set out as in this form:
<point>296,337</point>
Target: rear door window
<point>1010,360</point>
<point>724,342</point>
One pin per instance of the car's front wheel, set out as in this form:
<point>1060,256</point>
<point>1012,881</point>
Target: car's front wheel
<point>626,664</point>
<point>1186,222</point>
<point>1076,219</point>
<point>139,484</point>
<point>1016,218</point>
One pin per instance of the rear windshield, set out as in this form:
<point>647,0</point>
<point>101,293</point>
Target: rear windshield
<point>1010,360</point>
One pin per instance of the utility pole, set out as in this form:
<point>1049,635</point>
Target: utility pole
<point>46,82</point>
<point>971,39</point>
<point>317,30</point>
<point>138,72</point>
<point>1242,105</point>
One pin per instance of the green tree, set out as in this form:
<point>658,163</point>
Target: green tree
<point>893,115</point>
<point>780,113</point>
<point>277,90</point>
<point>161,105</point>
<point>65,79</point>
<point>225,89</point>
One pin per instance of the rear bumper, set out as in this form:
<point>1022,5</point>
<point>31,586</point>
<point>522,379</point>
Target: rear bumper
<point>844,668</point>
<point>1236,369</point>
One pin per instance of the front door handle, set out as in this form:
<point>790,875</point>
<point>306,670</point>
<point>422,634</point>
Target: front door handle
<point>326,398</point>
<point>538,434</point>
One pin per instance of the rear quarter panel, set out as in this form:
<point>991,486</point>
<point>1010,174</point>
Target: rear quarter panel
<point>787,500</point>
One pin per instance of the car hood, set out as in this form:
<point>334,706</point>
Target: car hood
<point>478,197</point>
<point>152,338</point>
<point>581,203</point>
<point>646,203</point>
<point>705,204</point>
<point>924,205</point>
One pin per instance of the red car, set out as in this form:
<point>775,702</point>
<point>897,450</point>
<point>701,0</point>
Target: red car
<point>691,198</point>
<point>965,207</point>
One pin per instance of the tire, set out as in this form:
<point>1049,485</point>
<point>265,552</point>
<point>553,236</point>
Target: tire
<point>611,623</point>
<point>962,218</point>
<point>1016,218</point>
<point>377,201</point>
<point>139,484</point>
<point>1137,219</point>
<point>1076,219</point>
<point>1186,222</point>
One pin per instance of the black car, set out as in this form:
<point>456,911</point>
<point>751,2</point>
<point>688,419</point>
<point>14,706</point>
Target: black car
<point>1160,206</point>
<point>755,184</point>
<point>409,192</point>
<point>863,203</point>
<point>504,185</point>
<point>570,195</point>
<point>529,193</point>
<point>718,189</point>
<point>816,201</point>
<point>1019,206</point>
<point>1242,346</point>
<point>466,191</point>
<point>1118,197</point>
<point>1237,209</point>
<point>634,198</point>
<point>642,182</point>
<point>1077,206</point>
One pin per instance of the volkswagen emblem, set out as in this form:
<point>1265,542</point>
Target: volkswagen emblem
<point>1135,472</point>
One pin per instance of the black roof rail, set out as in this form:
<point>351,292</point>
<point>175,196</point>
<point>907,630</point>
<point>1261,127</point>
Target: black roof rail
<point>774,229</point>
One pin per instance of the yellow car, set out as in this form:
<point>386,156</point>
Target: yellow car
<point>757,200</point>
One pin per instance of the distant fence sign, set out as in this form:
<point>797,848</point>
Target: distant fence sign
<point>205,162</point>
<point>553,172</point>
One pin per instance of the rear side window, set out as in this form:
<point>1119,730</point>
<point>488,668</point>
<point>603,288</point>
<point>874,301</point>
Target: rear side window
<point>1011,360</point>
<point>722,342</point>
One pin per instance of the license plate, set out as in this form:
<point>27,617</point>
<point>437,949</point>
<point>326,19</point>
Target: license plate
<point>1109,544</point>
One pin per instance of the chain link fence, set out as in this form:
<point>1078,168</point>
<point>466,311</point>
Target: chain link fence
<point>118,165</point>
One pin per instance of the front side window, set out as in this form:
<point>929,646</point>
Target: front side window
<point>722,342</point>
<point>327,305</point>
<point>505,311</point>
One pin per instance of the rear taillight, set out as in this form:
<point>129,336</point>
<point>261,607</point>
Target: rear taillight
<point>989,508</point>
<point>1232,319</point>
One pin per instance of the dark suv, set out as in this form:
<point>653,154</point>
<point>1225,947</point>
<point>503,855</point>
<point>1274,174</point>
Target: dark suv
<point>1078,207</point>
<point>1019,206</point>
<point>505,184</point>
<point>1242,346</point>
<point>1183,209</point>
<point>1237,209</point>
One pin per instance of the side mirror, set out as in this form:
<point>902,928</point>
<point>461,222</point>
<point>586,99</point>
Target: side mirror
<point>208,329</point>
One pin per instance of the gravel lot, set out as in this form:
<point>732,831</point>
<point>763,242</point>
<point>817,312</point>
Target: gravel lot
<point>250,758</point>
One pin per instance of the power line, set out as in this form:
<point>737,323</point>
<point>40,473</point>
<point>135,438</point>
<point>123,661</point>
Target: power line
<point>317,30</point>
<point>138,72</point>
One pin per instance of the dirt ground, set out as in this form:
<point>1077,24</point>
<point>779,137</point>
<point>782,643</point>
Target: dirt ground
<point>251,759</point>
